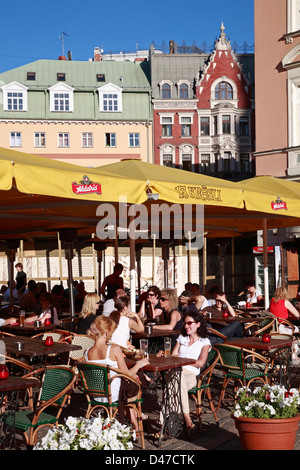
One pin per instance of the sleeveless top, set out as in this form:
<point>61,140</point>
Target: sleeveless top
<point>279,309</point>
<point>167,318</point>
<point>122,333</point>
<point>115,384</point>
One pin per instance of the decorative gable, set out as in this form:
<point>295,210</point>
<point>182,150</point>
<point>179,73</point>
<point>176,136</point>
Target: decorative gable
<point>110,98</point>
<point>61,98</point>
<point>14,97</point>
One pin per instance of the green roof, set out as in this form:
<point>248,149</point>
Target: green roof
<point>132,77</point>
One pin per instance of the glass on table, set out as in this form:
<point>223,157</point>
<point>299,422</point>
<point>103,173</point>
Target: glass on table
<point>144,347</point>
<point>167,347</point>
<point>22,317</point>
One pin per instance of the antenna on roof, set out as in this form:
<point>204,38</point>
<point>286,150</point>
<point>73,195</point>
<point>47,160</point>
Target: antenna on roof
<point>62,38</point>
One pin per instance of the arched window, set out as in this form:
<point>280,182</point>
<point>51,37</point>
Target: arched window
<point>166,91</point>
<point>223,91</point>
<point>184,91</point>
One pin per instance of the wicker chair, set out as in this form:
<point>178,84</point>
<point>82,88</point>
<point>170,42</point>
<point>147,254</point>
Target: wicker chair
<point>80,340</point>
<point>203,385</point>
<point>266,326</point>
<point>56,384</point>
<point>238,366</point>
<point>96,381</point>
<point>16,366</point>
<point>56,336</point>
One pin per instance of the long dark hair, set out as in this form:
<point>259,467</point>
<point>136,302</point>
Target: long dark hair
<point>194,313</point>
<point>120,303</point>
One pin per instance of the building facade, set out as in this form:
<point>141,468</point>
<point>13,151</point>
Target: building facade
<point>277,92</point>
<point>203,110</point>
<point>88,113</point>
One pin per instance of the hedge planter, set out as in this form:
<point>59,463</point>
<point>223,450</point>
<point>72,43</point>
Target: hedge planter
<point>267,434</point>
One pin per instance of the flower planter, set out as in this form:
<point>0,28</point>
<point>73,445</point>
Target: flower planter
<point>267,434</point>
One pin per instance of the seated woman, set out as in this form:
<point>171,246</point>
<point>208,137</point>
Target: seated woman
<point>101,331</point>
<point>280,305</point>
<point>170,311</point>
<point>150,307</point>
<point>88,313</point>
<point>125,320</point>
<point>253,295</point>
<point>48,311</point>
<point>194,344</point>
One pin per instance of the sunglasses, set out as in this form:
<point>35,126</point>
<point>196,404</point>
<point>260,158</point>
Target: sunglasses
<point>150,294</point>
<point>163,299</point>
<point>189,323</point>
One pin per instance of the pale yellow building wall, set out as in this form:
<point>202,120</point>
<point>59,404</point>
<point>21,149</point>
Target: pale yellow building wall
<point>97,155</point>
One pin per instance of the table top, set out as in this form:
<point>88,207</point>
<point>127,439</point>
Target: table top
<point>223,320</point>
<point>28,327</point>
<point>34,347</point>
<point>257,343</point>
<point>158,364</point>
<point>156,333</point>
<point>17,383</point>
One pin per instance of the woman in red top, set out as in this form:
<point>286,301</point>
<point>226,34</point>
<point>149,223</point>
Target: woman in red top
<point>280,306</point>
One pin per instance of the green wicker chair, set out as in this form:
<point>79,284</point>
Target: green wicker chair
<point>203,385</point>
<point>96,381</point>
<point>241,366</point>
<point>56,383</point>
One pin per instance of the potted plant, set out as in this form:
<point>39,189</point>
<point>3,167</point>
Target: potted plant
<point>267,418</point>
<point>87,434</point>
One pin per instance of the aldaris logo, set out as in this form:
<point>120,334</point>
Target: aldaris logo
<point>86,186</point>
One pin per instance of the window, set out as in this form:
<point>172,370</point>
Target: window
<point>167,122</point>
<point>61,98</point>
<point>167,160</point>
<point>134,140</point>
<point>244,126</point>
<point>166,91</point>
<point>204,122</point>
<point>183,91</point>
<point>61,77</point>
<point>31,76</point>
<point>223,91</point>
<point>245,163</point>
<point>15,139</point>
<point>61,102</point>
<point>215,125</point>
<point>110,98</point>
<point>14,97</point>
<point>39,139</point>
<point>87,139</point>
<point>226,124</point>
<point>205,163</point>
<point>186,126</point>
<point>100,77</point>
<point>110,139</point>
<point>187,161</point>
<point>227,158</point>
<point>63,139</point>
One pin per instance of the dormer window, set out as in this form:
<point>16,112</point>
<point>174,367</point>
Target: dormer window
<point>110,99</point>
<point>61,98</point>
<point>223,91</point>
<point>14,97</point>
<point>166,89</point>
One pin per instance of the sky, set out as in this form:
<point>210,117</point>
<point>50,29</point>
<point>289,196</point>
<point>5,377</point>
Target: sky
<point>33,30</point>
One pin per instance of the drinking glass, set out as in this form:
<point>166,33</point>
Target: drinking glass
<point>22,318</point>
<point>144,345</point>
<point>167,346</point>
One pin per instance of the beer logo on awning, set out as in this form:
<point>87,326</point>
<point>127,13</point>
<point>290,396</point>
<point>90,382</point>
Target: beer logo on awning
<point>86,186</point>
<point>278,204</point>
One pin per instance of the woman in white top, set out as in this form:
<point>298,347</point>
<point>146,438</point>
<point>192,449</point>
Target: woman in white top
<point>102,353</point>
<point>253,295</point>
<point>194,344</point>
<point>126,321</point>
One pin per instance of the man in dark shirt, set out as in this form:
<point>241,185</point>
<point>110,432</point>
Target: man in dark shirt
<point>232,330</point>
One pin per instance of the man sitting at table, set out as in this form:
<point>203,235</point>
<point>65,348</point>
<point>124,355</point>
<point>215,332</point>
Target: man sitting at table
<point>109,304</point>
<point>232,330</point>
<point>28,301</point>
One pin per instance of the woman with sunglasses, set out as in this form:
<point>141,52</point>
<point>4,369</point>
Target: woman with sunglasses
<point>88,313</point>
<point>171,314</point>
<point>193,343</point>
<point>150,307</point>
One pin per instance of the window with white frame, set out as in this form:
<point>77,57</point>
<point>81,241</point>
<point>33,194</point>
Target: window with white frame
<point>110,139</point>
<point>183,91</point>
<point>205,125</point>
<point>40,139</point>
<point>87,139</point>
<point>226,124</point>
<point>186,122</point>
<point>110,98</point>
<point>244,125</point>
<point>14,97</point>
<point>186,161</point>
<point>63,139</point>
<point>293,15</point>
<point>226,162</point>
<point>166,122</point>
<point>61,98</point>
<point>167,159</point>
<point>134,140</point>
<point>245,162</point>
<point>205,163</point>
<point>15,139</point>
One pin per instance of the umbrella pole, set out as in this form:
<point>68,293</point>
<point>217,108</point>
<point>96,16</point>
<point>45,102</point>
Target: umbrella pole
<point>265,259</point>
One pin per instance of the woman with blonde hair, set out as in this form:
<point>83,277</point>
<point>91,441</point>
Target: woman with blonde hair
<point>171,313</point>
<point>280,305</point>
<point>88,313</point>
<point>101,331</point>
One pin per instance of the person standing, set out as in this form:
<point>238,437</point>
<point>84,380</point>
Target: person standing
<point>112,282</point>
<point>21,279</point>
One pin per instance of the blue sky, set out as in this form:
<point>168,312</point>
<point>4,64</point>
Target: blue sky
<point>31,30</point>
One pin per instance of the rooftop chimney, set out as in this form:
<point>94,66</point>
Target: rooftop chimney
<point>97,54</point>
